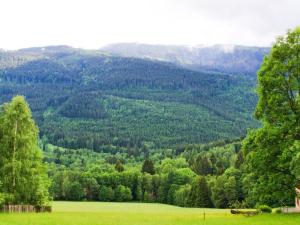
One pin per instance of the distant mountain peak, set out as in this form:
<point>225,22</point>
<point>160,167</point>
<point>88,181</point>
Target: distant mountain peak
<point>227,58</point>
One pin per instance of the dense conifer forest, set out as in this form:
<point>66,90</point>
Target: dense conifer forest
<point>84,99</point>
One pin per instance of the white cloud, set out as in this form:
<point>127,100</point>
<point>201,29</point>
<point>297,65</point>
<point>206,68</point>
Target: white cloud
<point>93,23</point>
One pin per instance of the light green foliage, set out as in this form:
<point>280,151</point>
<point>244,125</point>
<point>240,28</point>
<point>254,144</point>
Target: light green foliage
<point>168,165</point>
<point>22,173</point>
<point>122,194</point>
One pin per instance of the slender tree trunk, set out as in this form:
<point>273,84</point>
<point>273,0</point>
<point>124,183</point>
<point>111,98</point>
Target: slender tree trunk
<point>14,155</point>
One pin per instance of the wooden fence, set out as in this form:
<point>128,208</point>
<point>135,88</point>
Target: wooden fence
<point>25,208</point>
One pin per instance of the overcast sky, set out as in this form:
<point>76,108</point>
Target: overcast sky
<point>94,23</point>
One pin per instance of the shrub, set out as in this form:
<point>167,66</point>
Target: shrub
<point>264,208</point>
<point>278,210</point>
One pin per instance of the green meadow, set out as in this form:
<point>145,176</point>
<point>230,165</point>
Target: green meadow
<point>99,213</point>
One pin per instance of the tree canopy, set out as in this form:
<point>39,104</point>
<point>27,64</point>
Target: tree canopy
<point>270,149</point>
<point>22,173</point>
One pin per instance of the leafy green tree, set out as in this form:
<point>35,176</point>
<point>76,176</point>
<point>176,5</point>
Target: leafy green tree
<point>171,193</point>
<point>106,194</point>
<point>226,189</point>
<point>90,187</point>
<point>239,160</point>
<point>122,194</point>
<point>147,188</point>
<point>200,195</point>
<point>58,185</point>
<point>22,172</point>
<point>182,196</point>
<point>279,84</point>
<point>295,164</point>
<point>74,190</point>
<point>148,167</point>
<point>268,150</point>
<point>136,188</point>
<point>169,165</point>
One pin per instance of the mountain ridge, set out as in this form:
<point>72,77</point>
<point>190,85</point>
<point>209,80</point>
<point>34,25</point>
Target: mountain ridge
<point>235,59</point>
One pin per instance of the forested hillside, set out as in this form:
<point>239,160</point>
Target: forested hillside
<point>86,99</point>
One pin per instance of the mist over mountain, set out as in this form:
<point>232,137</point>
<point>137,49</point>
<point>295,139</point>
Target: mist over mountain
<point>221,58</point>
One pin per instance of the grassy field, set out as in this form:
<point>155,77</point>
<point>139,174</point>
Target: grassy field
<point>96,213</point>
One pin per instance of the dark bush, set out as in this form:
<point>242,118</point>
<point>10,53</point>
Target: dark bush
<point>264,208</point>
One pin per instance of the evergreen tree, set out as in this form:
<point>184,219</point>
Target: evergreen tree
<point>239,160</point>
<point>148,167</point>
<point>202,165</point>
<point>200,195</point>
<point>22,173</point>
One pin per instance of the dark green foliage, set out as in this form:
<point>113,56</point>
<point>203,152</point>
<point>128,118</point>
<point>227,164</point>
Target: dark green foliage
<point>148,167</point>
<point>83,106</point>
<point>200,195</point>
<point>91,187</point>
<point>88,100</point>
<point>227,188</point>
<point>106,194</point>
<point>74,191</point>
<point>278,210</point>
<point>182,196</point>
<point>239,160</point>
<point>202,165</point>
<point>119,166</point>
<point>213,158</point>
